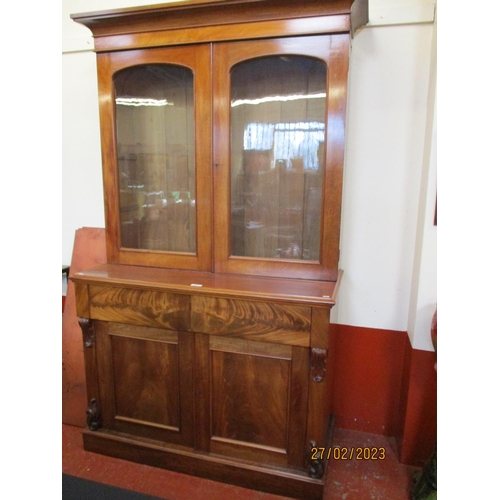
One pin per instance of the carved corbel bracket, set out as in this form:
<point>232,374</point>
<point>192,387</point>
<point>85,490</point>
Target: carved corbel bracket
<point>88,331</point>
<point>94,415</point>
<point>318,364</point>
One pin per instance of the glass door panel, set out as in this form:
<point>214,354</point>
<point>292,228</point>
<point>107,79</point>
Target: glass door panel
<point>156,110</point>
<point>156,157</point>
<point>279,122</point>
<point>278,112</point>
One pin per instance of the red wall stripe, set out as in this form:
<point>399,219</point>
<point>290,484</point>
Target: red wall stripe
<point>383,386</point>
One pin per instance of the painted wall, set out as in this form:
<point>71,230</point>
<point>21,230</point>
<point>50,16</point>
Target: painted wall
<point>387,246</point>
<point>388,240</point>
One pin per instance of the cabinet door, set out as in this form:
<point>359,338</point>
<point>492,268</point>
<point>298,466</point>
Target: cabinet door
<point>251,400</point>
<point>145,381</point>
<point>155,110</point>
<point>279,113</point>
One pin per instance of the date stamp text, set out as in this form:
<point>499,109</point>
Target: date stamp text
<point>347,453</point>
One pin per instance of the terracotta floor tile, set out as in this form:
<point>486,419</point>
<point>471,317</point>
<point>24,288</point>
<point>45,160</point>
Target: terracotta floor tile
<point>351,479</point>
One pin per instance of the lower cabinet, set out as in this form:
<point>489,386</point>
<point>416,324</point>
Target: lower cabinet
<point>237,395</point>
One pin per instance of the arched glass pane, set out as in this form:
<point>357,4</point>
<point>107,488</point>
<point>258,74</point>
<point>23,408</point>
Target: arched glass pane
<point>278,110</point>
<point>156,157</point>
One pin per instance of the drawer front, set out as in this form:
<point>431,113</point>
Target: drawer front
<point>260,321</point>
<point>139,307</point>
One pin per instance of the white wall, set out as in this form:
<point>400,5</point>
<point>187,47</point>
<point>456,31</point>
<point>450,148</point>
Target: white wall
<point>82,198</point>
<point>423,297</point>
<point>387,252</point>
<point>389,275</point>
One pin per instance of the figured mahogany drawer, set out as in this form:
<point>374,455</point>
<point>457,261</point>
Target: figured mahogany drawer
<point>139,307</point>
<point>262,321</point>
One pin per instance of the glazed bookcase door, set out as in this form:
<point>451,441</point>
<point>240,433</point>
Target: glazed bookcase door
<point>279,118</point>
<point>156,120</point>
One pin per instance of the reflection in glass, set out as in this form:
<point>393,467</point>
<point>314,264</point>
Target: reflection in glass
<point>278,109</point>
<point>156,162</point>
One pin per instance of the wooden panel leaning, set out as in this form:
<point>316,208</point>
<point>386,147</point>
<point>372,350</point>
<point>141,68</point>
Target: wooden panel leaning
<point>89,250</point>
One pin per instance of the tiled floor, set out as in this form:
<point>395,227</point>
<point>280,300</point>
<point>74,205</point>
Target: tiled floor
<point>346,479</point>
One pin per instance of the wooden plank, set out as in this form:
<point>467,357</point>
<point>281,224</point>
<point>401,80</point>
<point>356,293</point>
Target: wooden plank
<point>89,250</point>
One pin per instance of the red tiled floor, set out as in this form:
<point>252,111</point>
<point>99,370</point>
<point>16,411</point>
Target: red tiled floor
<point>346,479</point>
<point>369,479</point>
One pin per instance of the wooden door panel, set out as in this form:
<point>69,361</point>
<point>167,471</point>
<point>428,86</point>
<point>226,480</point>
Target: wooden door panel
<point>250,398</point>
<point>145,388</point>
<point>257,400</point>
<point>147,384</point>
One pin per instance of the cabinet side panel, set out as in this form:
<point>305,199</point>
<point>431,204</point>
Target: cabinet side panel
<point>320,328</point>
<point>82,300</point>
